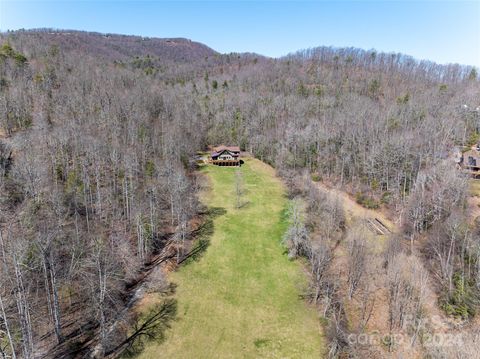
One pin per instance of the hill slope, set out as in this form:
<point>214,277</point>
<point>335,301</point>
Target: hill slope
<point>117,47</point>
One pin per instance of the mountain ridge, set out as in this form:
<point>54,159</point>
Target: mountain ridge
<point>118,46</point>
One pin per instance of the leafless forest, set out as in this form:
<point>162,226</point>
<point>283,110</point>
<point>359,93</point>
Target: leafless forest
<point>97,177</point>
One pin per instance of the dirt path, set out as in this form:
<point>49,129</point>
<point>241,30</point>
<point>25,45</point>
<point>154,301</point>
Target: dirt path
<point>354,210</point>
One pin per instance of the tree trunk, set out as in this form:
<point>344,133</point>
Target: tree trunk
<point>7,328</point>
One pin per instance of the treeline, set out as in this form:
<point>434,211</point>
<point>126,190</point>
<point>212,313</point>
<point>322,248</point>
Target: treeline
<point>402,65</point>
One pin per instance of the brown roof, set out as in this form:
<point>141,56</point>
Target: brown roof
<point>472,153</point>
<point>229,148</point>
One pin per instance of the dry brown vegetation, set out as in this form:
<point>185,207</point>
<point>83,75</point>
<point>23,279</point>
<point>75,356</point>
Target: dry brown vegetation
<point>395,295</point>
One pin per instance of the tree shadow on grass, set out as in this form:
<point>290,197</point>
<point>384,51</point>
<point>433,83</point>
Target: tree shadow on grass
<point>153,324</point>
<point>203,235</point>
<point>284,219</point>
<point>214,212</point>
<point>148,327</point>
<point>244,204</point>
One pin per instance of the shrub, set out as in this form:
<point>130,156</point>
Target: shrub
<point>316,177</point>
<point>20,58</point>
<point>461,302</point>
<point>473,139</point>
<point>149,168</point>
<point>366,201</point>
<point>386,196</point>
<point>7,51</point>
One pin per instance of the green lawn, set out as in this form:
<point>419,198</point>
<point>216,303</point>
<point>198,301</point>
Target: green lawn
<point>241,299</point>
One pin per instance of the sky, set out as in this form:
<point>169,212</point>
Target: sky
<point>441,31</point>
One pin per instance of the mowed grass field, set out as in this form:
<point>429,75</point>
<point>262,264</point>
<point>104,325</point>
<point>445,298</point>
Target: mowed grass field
<point>241,299</point>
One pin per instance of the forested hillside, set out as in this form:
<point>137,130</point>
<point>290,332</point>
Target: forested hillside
<point>97,175</point>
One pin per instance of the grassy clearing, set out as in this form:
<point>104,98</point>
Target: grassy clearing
<point>474,188</point>
<point>241,299</point>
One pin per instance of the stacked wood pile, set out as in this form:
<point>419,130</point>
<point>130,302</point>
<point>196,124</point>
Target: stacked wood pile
<point>377,226</point>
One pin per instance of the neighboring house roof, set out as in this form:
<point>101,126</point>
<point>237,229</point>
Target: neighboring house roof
<point>471,158</point>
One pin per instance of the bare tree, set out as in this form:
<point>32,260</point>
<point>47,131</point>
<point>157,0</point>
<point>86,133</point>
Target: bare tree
<point>296,237</point>
<point>320,257</point>
<point>103,279</point>
<point>3,312</point>
<point>357,252</point>
<point>406,284</point>
<point>239,188</point>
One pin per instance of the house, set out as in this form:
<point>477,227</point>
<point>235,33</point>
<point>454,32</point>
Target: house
<point>226,156</point>
<point>470,161</point>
